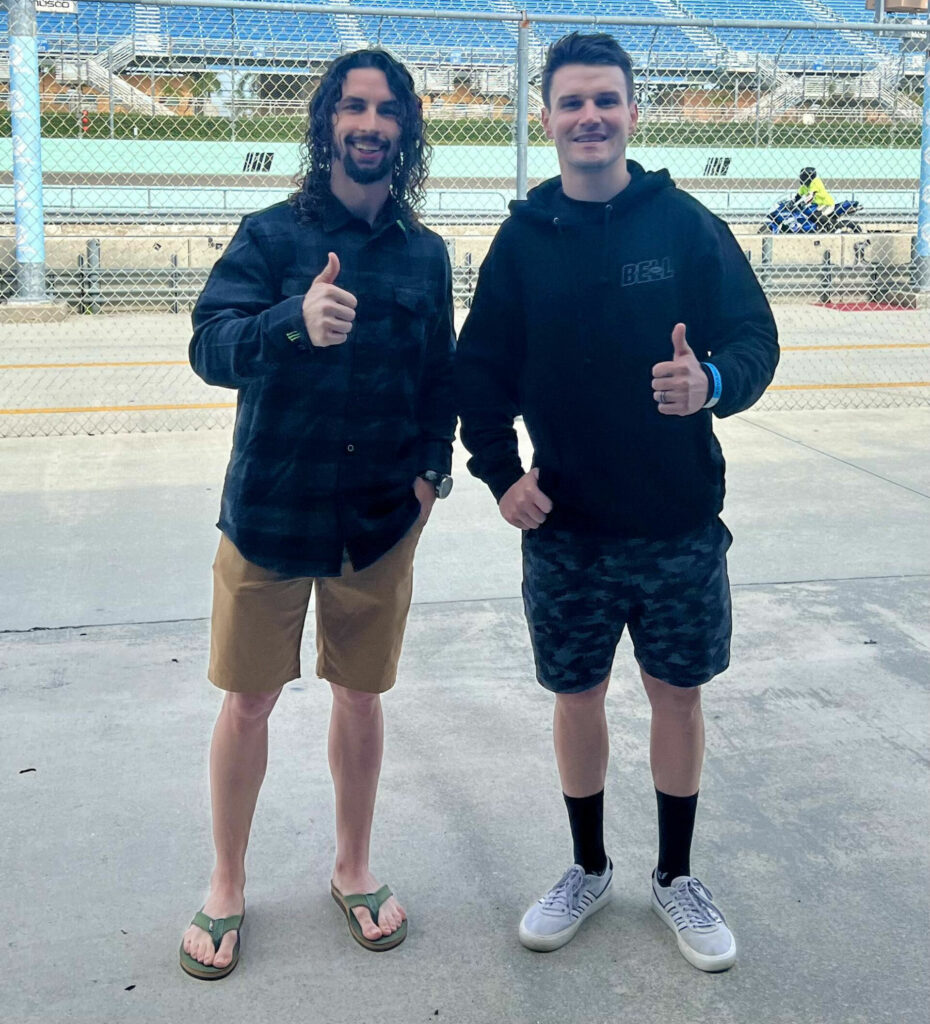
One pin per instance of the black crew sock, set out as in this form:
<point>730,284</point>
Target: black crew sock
<point>676,826</point>
<point>586,817</point>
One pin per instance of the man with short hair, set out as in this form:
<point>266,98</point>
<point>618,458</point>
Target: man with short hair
<point>613,312</point>
<point>331,315</point>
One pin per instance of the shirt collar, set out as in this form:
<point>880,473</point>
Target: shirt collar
<point>336,216</point>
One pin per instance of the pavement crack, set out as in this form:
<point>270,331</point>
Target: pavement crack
<point>836,458</point>
<point>102,625</point>
<point>491,599</point>
<point>833,579</point>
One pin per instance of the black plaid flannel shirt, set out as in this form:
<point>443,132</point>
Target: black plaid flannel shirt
<point>328,441</point>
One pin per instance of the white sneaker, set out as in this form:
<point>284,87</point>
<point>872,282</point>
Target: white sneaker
<point>553,920</point>
<point>687,907</point>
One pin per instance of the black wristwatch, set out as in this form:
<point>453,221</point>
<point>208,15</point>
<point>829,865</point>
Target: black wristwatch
<point>442,482</point>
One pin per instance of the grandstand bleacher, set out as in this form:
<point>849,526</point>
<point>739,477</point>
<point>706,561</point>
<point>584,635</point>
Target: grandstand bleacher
<point>157,31</point>
<point>219,35</point>
<point>806,47</point>
<point>638,40</point>
<point>431,39</point>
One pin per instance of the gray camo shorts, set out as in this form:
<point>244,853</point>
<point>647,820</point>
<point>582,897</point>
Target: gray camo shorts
<point>580,591</point>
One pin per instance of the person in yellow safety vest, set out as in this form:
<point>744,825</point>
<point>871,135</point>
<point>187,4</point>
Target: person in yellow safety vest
<point>813,187</point>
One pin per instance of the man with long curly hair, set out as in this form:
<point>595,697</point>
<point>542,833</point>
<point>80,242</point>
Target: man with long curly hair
<point>331,315</point>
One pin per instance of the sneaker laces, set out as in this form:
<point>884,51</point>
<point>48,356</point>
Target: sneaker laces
<point>563,896</point>
<point>695,901</point>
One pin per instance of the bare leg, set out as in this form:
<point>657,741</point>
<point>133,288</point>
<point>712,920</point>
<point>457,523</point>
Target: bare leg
<point>582,746</point>
<point>238,757</point>
<point>356,743</point>
<point>676,746</point>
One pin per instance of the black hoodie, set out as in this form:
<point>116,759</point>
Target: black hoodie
<point>575,303</point>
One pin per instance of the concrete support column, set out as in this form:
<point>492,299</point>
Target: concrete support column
<point>523,105</point>
<point>923,218</point>
<point>31,300</point>
<point>27,152</point>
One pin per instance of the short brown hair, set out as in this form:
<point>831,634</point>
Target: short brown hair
<point>590,48</point>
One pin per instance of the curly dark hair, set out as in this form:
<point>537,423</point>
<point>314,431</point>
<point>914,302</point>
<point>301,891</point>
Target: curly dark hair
<point>412,164</point>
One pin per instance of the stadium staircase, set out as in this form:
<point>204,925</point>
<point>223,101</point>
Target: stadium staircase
<point>883,82</point>
<point>821,12</point>
<point>118,56</point>
<point>350,29</point>
<point>703,40</point>
<point>94,72</point>
<point>147,30</point>
<point>505,7</point>
<point>105,66</point>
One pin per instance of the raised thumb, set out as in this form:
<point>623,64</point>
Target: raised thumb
<point>680,341</point>
<point>330,272</point>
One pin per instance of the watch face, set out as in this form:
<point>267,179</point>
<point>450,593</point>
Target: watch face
<point>443,487</point>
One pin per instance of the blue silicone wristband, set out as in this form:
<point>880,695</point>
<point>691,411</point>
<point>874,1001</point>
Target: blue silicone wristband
<point>718,386</point>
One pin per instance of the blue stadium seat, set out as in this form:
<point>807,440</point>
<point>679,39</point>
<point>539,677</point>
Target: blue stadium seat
<point>197,31</point>
<point>207,33</point>
<point>795,49</point>
<point>186,31</point>
<point>637,40</point>
<point>431,39</point>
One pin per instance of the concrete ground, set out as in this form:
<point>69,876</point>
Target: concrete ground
<point>129,372</point>
<point>813,818</point>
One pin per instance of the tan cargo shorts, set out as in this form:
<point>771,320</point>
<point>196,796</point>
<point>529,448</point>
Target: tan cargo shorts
<point>258,621</point>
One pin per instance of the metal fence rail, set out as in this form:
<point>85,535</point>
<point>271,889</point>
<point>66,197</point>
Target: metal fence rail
<point>133,137</point>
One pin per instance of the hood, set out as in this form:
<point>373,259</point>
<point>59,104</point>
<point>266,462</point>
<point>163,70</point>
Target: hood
<point>547,200</point>
<point>548,204</point>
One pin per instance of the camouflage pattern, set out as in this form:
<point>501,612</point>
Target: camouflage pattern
<point>579,591</point>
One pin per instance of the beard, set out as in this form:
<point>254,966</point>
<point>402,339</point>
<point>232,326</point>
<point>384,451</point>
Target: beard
<point>365,175</point>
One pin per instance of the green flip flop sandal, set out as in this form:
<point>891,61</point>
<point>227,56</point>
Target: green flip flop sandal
<point>217,928</point>
<point>373,901</point>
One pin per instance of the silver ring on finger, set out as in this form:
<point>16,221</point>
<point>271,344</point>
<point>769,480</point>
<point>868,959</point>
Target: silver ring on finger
<point>663,398</point>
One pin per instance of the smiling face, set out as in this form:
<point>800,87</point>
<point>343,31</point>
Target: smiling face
<point>366,126</point>
<point>591,118</point>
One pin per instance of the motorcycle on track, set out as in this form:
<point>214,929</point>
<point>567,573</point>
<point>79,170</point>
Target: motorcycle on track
<point>790,216</point>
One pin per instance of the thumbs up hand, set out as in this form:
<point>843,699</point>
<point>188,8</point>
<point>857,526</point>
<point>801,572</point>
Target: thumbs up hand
<point>679,387</point>
<point>328,311</point>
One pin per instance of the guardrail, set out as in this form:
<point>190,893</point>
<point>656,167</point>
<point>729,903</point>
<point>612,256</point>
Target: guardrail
<point>90,288</point>
<point>122,203</point>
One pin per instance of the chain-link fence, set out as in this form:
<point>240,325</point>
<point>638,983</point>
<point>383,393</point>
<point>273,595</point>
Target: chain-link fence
<point>161,125</point>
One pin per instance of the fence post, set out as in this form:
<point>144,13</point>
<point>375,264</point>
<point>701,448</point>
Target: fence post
<point>768,246</point>
<point>232,76</point>
<point>923,217</point>
<point>175,299</point>
<point>92,276</point>
<point>110,91</point>
<point>27,153</point>
<point>826,278</point>
<point>523,104</point>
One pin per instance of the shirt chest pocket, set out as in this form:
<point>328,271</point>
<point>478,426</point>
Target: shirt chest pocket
<point>396,314</point>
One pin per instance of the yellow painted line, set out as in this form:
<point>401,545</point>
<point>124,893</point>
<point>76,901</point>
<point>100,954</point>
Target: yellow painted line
<point>184,362</point>
<point>833,387</point>
<point>119,408</point>
<point>59,366</point>
<point>848,348</point>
